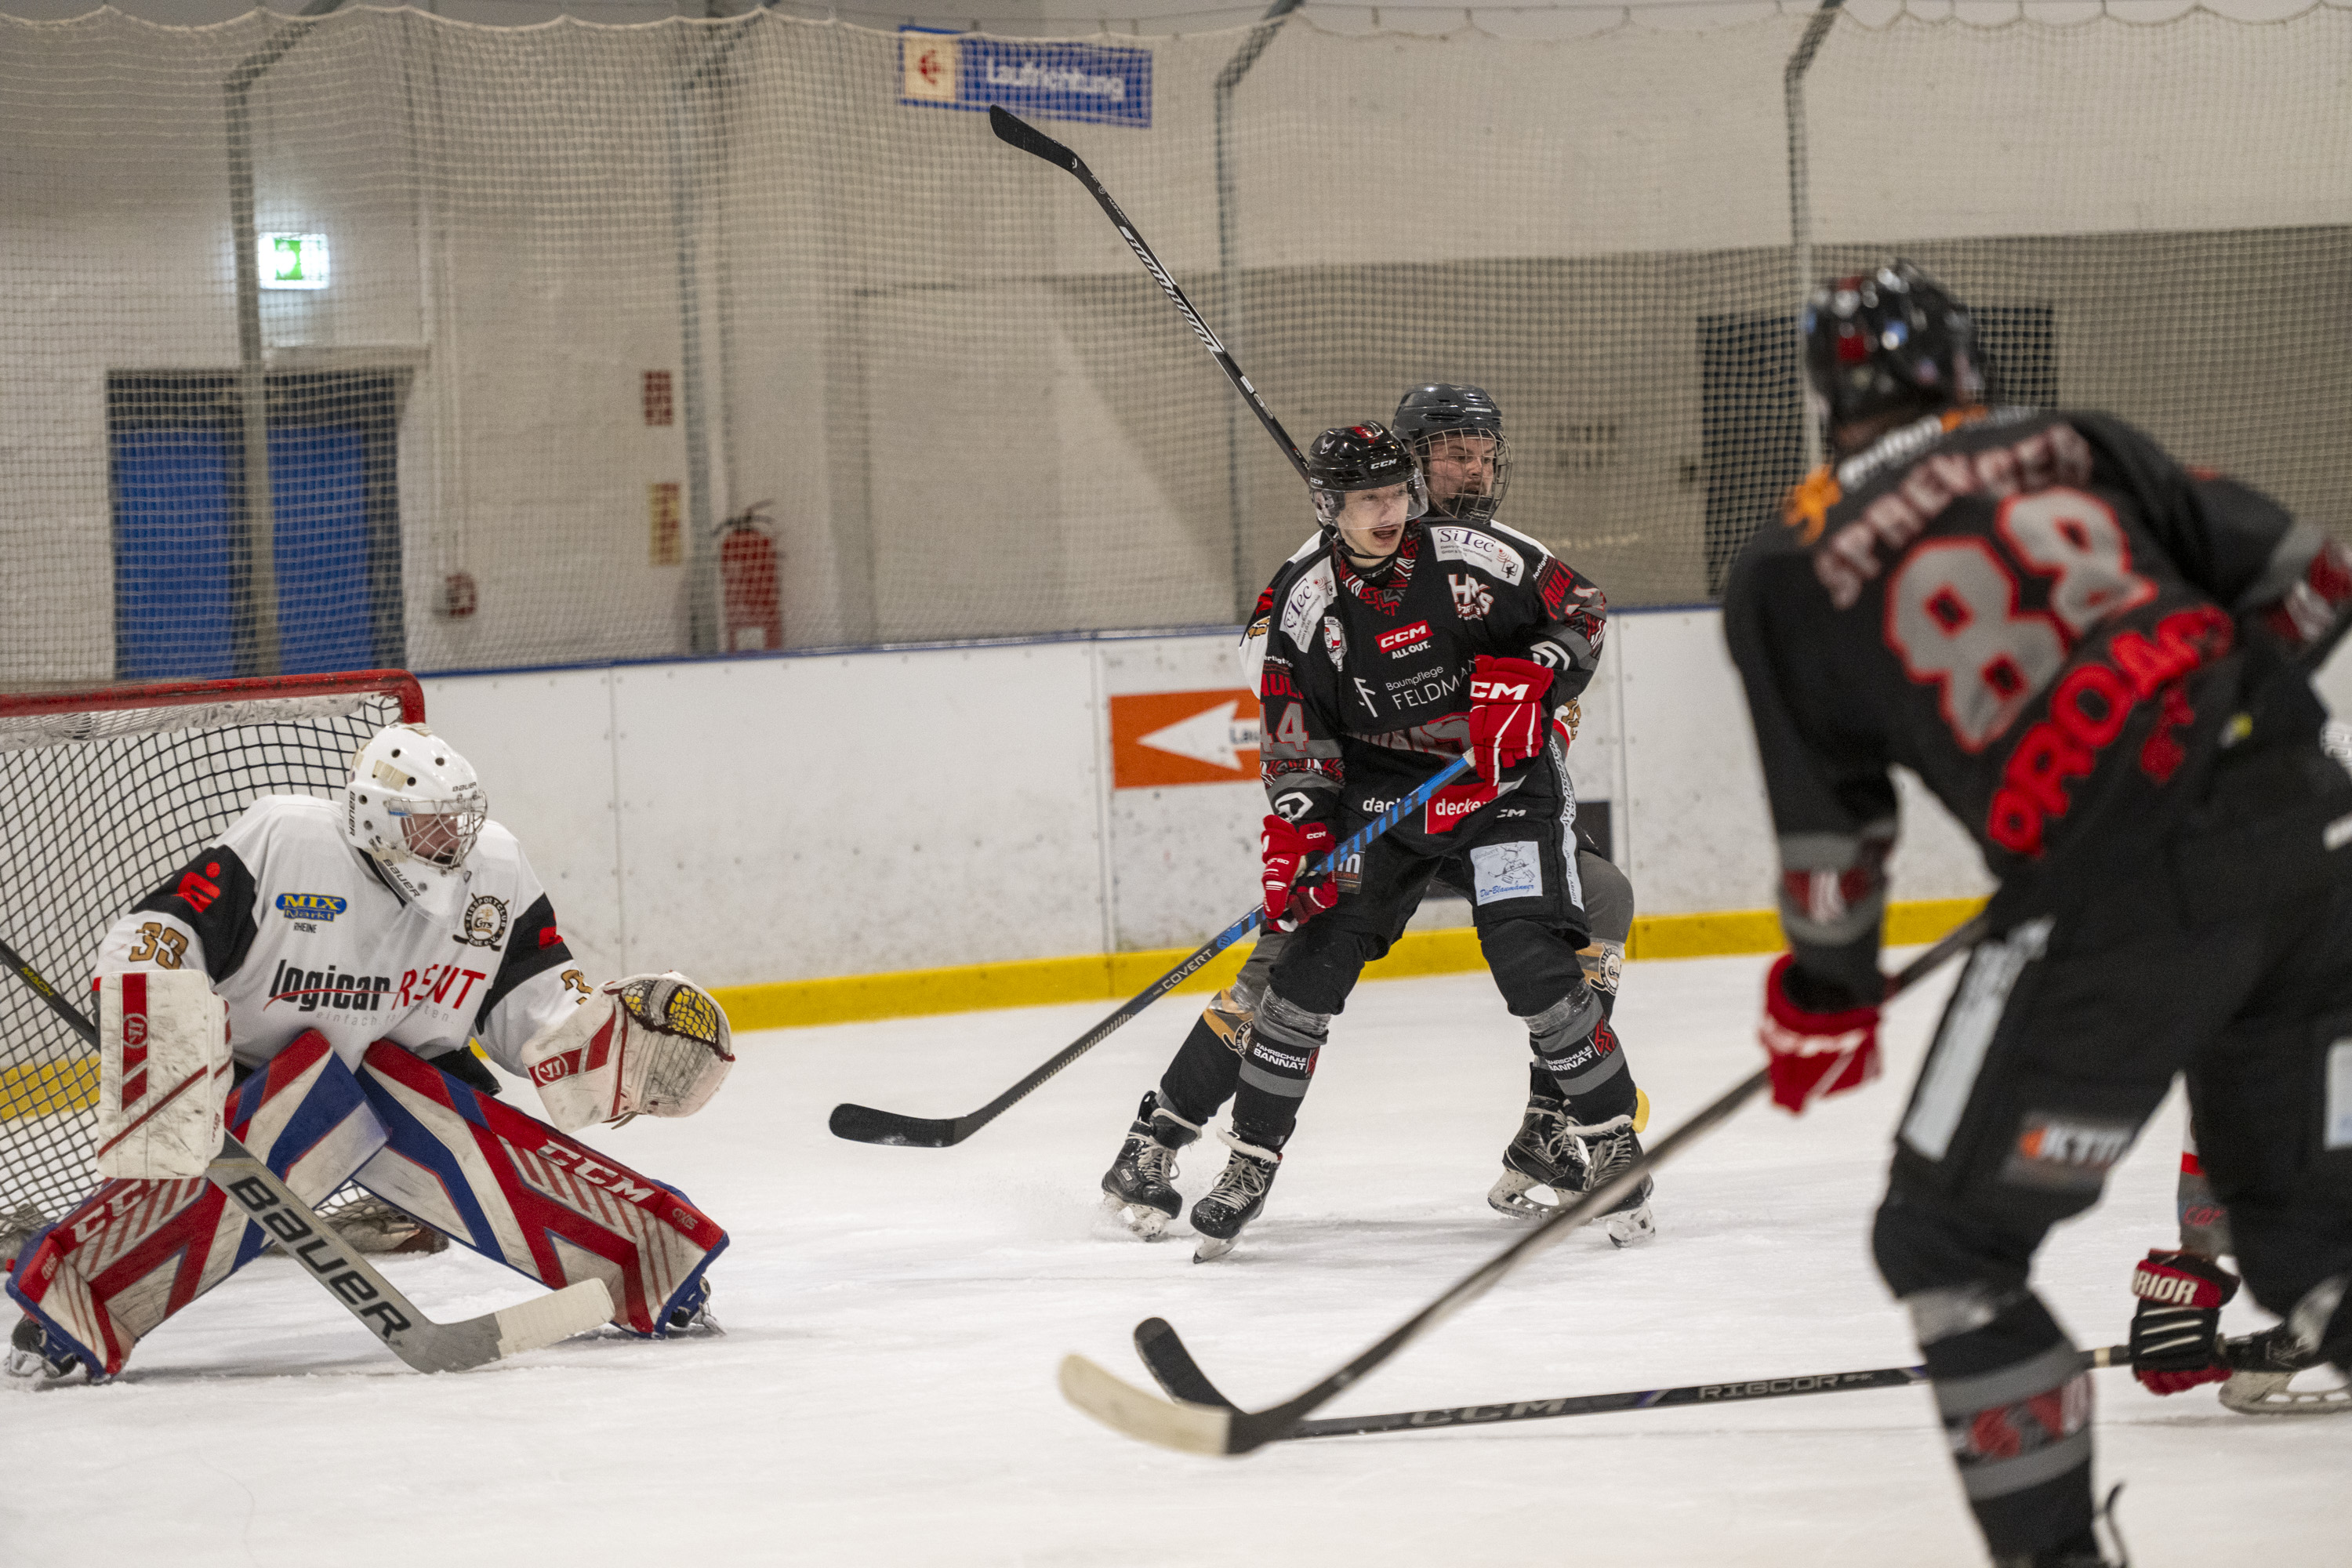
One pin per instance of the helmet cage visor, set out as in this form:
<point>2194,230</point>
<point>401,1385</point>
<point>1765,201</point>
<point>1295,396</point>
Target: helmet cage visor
<point>440,832</point>
<point>1482,496</point>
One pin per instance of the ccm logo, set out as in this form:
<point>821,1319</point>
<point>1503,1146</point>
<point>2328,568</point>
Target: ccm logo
<point>1391,641</point>
<point>1502,690</point>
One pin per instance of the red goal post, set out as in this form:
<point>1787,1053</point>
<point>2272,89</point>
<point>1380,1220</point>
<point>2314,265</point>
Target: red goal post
<point>104,791</point>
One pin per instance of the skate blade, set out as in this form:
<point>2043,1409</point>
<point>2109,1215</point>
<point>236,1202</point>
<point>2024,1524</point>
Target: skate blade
<point>1212,1247</point>
<point>1141,1218</point>
<point>1508,1197</point>
<point>1634,1224</point>
<point>2267,1394</point>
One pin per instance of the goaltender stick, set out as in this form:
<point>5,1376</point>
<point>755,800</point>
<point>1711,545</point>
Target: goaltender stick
<point>352,948</point>
<point>2096,661</point>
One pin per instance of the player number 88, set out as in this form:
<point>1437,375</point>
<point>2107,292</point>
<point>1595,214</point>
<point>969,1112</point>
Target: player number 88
<point>1952,608</point>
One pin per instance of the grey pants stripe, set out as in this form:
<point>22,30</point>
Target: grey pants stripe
<point>2006,1386</point>
<point>2003,1477</point>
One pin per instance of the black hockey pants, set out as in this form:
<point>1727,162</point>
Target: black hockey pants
<point>2223,950</point>
<point>1519,855</point>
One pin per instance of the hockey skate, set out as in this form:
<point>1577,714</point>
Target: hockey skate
<point>1141,1186</point>
<point>1543,1154</point>
<point>693,1316</point>
<point>33,1363</point>
<point>1238,1198</point>
<point>1609,1148</point>
<point>2261,1368</point>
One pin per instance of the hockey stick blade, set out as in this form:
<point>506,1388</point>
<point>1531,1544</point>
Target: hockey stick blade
<point>270,1205</point>
<point>1172,1365</point>
<point>1014,130</point>
<point>864,1124</point>
<point>1191,1428</point>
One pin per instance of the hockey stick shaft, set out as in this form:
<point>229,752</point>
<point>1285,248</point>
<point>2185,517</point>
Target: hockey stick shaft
<point>1209,1431</point>
<point>864,1124</point>
<point>248,1182</point>
<point>1018,132</point>
<point>1175,1371</point>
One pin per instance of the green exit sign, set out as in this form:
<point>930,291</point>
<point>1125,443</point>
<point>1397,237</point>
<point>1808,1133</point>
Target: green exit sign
<point>293,261</point>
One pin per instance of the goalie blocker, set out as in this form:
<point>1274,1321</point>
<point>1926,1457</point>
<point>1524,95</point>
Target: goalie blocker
<point>502,1182</point>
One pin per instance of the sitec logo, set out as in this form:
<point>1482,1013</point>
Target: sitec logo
<point>1405,640</point>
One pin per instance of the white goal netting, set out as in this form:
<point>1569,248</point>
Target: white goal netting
<point>591,293</point>
<point>108,794</point>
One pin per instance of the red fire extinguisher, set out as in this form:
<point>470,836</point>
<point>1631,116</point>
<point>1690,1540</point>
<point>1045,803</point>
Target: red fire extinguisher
<point>748,582</point>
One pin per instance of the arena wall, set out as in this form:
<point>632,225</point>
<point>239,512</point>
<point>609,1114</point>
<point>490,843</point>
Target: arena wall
<point>769,820</point>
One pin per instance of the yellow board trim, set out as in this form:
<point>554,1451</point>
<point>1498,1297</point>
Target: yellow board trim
<point>1043,981</point>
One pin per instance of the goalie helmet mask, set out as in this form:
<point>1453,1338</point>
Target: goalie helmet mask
<point>1441,417</point>
<point>416,808</point>
<point>1890,341</point>
<point>1364,456</point>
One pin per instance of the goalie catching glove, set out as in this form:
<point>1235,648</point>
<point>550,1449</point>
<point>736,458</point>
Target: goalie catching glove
<point>652,1045</point>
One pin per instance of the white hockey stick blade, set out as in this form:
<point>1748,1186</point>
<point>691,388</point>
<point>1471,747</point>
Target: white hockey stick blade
<point>1187,1428</point>
<point>542,1320</point>
<point>2267,1394</point>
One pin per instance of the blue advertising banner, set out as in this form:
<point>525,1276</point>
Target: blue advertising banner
<point>1105,84</point>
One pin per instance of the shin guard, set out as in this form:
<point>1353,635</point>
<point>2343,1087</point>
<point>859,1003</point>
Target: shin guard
<point>522,1193</point>
<point>135,1252</point>
<point>1279,1063</point>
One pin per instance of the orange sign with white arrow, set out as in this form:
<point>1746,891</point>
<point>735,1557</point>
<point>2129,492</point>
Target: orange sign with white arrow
<point>1184,737</point>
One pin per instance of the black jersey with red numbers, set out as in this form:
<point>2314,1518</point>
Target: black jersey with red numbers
<point>1385,661</point>
<point>2035,612</point>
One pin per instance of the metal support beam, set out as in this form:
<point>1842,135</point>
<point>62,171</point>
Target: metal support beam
<point>254,629</point>
<point>1228,282</point>
<point>1800,200</point>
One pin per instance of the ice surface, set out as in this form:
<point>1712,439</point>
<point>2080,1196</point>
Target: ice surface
<point>884,1393</point>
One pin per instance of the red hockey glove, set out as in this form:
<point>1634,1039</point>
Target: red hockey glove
<point>1506,712</point>
<point>1814,1054</point>
<point>2176,1335</point>
<point>2307,615</point>
<point>1286,847</point>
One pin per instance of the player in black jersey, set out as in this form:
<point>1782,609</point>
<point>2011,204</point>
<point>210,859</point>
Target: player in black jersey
<point>2096,661</point>
<point>1455,434</point>
<point>1397,645</point>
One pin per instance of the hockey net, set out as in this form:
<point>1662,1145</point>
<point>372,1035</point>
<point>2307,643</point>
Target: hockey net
<point>108,792</point>
<point>594,290</point>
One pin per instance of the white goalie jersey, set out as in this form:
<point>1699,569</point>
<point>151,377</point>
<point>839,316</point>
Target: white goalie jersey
<point>297,931</point>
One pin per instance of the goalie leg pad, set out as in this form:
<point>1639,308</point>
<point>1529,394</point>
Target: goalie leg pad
<point>522,1194</point>
<point>135,1252</point>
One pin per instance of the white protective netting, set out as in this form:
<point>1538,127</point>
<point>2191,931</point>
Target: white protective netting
<point>970,410</point>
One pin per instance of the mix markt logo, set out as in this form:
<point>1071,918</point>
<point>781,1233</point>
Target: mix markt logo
<point>1182,737</point>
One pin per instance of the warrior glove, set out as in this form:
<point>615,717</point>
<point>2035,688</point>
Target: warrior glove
<point>1814,1054</point>
<point>1506,712</point>
<point>2176,1335</point>
<point>1286,846</point>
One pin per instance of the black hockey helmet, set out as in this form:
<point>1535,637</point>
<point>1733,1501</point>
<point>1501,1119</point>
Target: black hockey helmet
<point>1886,342</point>
<point>1425,414</point>
<point>1364,456</point>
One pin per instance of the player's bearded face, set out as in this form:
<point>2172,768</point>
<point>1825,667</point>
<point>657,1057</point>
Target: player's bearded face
<point>1459,466</point>
<point>1372,522</point>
